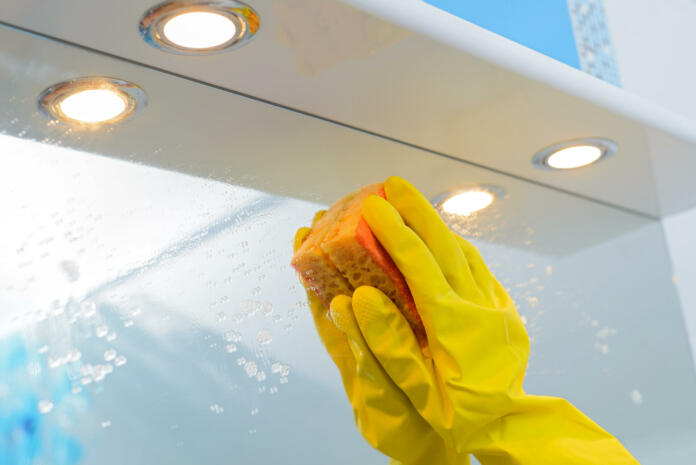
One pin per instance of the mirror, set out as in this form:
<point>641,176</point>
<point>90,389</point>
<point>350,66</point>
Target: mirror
<point>150,314</point>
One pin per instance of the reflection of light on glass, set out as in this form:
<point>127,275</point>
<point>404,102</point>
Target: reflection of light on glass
<point>92,101</point>
<point>93,105</point>
<point>467,202</point>
<point>199,30</point>
<point>574,157</point>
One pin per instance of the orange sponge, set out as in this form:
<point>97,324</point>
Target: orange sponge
<point>341,253</point>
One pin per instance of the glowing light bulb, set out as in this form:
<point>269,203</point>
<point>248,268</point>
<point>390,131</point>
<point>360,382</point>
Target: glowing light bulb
<point>93,105</point>
<point>199,30</point>
<point>574,157</point>
<point>467,202</point>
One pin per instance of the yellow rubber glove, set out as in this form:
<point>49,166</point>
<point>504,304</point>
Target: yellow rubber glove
<point>470,391</point>
<point>383,414</point>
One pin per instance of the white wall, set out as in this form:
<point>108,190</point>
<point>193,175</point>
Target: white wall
<point>680,232</point>
<point>654,43</point>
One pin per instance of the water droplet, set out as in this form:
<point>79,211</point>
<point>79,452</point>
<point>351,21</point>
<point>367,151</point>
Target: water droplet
<point>43,349</point>
<point>55,362</point>
<point>283,380</point>
<point>109,355</point>
<point>231,348</point>
<point>76,390</point>
<point>221,316</point>
<point>120,361</point>
<point>88,308</point>
<point>71,270</point>
<point>636,397</point>
<point>45,406</point>
<point>106,423</point>
<point>100,371</point>
<point>280,368</point>
<point>261,376</point>
<point>524,320</point>
<point>251,369</point>
<point>217,409</point>
<point>264,336</point>
<point>273,390</point>
<point>85,380</point>
<point>233,336</point>
<point>605,333</point>
<point>276,318</point>
<point>241,361</point>
<point>73,356</point>
<point>252,431</point>
<point>101,331</point>
<point>111,336</point>
<point>254,412</point>
<point>267,308</point>
<point>603,348</point>
<point>128,323</point>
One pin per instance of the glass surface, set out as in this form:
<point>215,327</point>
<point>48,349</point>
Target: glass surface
<point>151,316</point>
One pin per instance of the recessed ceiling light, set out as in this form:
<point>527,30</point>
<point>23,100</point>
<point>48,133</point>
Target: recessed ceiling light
<point>574,154</point>
<point>466,201</point>
<point>92,101</point>
<point>93,105</point>
<point>199,28</point>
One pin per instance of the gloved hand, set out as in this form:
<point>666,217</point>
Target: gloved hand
<point>383,413</point>
<point>470,391</point>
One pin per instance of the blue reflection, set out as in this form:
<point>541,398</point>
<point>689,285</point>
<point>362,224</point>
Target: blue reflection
<point>26,437</point>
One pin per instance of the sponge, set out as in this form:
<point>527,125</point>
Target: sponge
<point>341,253</point>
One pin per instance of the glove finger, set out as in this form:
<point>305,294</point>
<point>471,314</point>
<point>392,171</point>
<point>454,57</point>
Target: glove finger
<point>300,237</point>
<point>391,340</point>
<point>440,454</point>
<point>317,216</point>
<point>409,252</point>
<point>378,388</point>
<point>387,419</point>
<point>485,279</point>
<point>420,216</point>
<point>336,344</point>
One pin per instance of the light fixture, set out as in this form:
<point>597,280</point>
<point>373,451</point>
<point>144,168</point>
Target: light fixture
<point>574,154</point>
<point>92,101</point>
<point>468,200</point>
<point>199,27</point>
